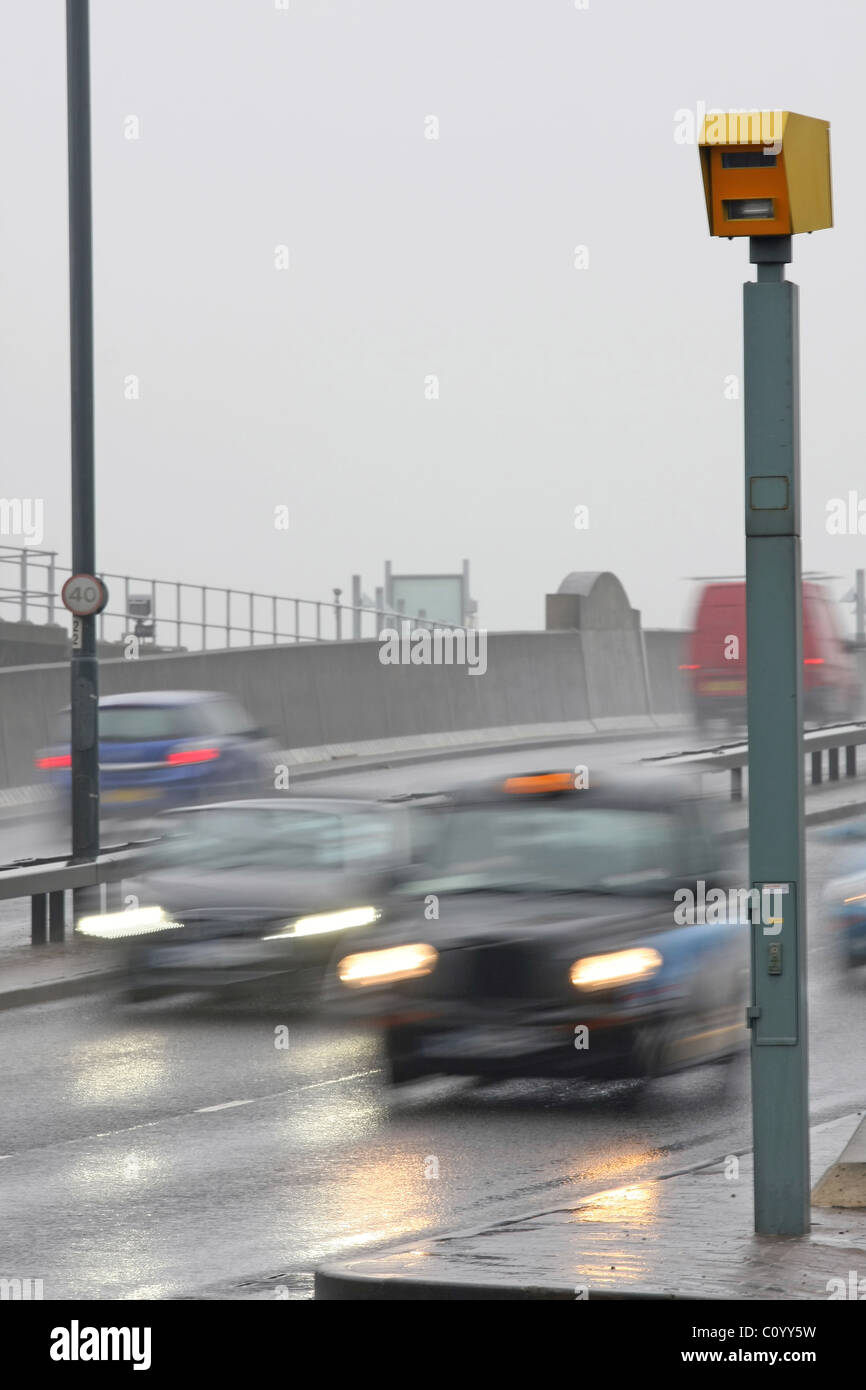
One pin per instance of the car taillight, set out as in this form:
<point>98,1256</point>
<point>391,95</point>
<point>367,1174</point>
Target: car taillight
<point>59,760</point>
<point>192,755</point>
<point>813,661</point>
<point>690,668</point>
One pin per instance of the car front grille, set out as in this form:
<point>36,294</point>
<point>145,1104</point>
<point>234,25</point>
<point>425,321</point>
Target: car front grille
<point>500,971</point>
<point>203,924</point>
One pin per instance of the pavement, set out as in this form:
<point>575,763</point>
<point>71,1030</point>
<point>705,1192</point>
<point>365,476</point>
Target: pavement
<point>685,1235</point>
<point>37,974</point>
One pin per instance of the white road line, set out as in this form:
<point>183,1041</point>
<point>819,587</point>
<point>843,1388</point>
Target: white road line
<point>186,1114</point>
<point>353,1076</point>
<point>226,1105</point>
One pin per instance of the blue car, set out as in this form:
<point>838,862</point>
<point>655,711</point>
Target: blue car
<point>160,749</point>
<point>545,936</point>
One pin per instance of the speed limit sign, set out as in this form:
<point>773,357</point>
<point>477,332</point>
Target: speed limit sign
<point>84,595</point>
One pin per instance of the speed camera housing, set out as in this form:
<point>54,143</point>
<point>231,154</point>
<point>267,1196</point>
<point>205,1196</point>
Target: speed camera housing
<point>766,173</point>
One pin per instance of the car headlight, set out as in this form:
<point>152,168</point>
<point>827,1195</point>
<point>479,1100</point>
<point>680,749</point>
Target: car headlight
<point>134,921</point>
<point>383,967</point>
<point>615,968</point>
<point>327,921</point>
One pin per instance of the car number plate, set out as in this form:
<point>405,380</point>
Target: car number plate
<point>489,1040</point>
<point>131,794</point>
<point>207,953</point>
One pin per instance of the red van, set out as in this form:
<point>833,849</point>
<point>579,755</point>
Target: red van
<point>716,664</point>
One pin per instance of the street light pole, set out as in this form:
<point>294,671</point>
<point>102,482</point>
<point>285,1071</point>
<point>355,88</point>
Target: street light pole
<point>84,674</point>
<point>778,1019</point>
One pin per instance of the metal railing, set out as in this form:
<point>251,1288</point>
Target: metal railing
<point>47,881</point>
<point>172,615</point>
<point>22,597</point>
<point>734,758</point>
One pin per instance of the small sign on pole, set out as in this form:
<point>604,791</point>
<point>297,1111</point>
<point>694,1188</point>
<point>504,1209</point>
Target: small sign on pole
<point>84,595</point>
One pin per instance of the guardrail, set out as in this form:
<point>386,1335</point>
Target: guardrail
<point>734,758</point>
<point>173,615</point>
<point>47,881</point>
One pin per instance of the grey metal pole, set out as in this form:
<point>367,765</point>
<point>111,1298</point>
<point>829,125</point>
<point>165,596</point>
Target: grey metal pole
<point>356,606</point>
<point>777,1016</point>
<point>84,675</point>
<point>51,583</point>
<point>861,608</point>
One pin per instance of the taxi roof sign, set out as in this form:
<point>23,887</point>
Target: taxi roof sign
<point>765,173</point>
<point>537,783</point>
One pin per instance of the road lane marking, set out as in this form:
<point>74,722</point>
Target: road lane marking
<point>225,1105</point>
<point>353,1076</point>
<point>185,1115</point>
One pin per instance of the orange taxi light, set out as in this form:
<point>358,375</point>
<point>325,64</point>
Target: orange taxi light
<point>541,782</point>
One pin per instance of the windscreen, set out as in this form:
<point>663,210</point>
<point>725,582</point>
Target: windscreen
<point>553,848</point>
<point>281,838</point>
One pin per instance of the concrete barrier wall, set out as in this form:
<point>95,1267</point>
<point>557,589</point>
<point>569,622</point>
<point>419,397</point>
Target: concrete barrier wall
<point>615,674</point>
<point>665,651</point>
<point>310,695</point>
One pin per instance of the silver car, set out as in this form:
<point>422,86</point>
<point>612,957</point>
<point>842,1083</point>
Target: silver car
<point>239,892</point>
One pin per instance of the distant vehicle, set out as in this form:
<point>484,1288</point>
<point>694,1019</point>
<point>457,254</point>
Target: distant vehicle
<point>242,891</point>
<point>845,894</point>
<point>542,911</point>
<point>846,900</point>
<point>716,662</point>
<point>164,748</point>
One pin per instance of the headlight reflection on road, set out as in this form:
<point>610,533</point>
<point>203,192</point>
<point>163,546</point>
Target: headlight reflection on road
<point>120,1067</point>
<point>617,1255</point>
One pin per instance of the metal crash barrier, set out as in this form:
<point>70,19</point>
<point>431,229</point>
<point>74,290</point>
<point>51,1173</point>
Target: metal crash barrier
<point>734,758</point>
<point>47,881</point>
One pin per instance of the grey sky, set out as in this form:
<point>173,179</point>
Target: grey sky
<point>411,257</point>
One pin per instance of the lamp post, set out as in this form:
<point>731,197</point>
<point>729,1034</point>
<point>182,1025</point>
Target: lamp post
<point>83,595</point>
<point>767,176</point>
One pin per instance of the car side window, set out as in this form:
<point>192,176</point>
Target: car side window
<point>228,719</point>
<point>367,838</point>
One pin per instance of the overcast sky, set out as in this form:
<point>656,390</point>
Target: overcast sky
<point>412,258</point>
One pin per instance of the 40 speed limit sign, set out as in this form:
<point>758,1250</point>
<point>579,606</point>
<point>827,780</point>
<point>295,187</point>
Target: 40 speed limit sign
<point>84,595</point>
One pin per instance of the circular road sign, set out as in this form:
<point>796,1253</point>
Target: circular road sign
<point>84,595</point>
